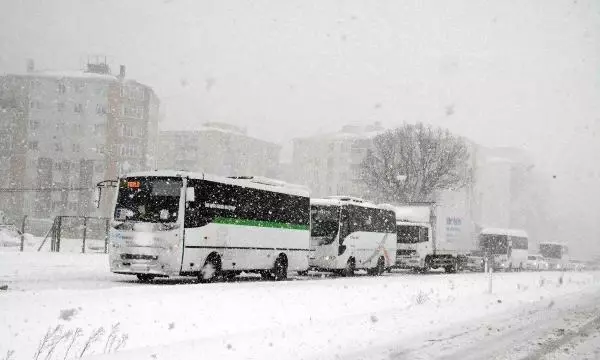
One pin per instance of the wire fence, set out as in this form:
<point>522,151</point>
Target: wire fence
<point>73,234</point>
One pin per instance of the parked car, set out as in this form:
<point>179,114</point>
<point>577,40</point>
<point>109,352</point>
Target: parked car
<point>577,265</point>
<point>536,262</point>
<point>475,261</point>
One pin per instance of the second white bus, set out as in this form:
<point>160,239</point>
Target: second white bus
<point>508,248</point>
<point>348,234</point>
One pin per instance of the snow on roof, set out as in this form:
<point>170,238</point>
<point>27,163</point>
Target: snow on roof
<point>351,132</point>
<point>342,200</point>
<point>346,135</point>
<point>552,243</point>
<point>413,214</point>
<point>259,183</point>
<point>71,74</point>
<point>507,232</point>
<point>205,129</point>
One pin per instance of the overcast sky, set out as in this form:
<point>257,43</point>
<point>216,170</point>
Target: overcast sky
<point>518,73</point>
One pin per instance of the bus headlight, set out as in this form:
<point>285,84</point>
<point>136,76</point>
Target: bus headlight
<point>328,258</point>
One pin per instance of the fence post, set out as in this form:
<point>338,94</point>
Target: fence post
<point>53,235</point>
<point>106,236</point>
<point>23,233</point>
<point>84,234</point>
<point>58,230</point>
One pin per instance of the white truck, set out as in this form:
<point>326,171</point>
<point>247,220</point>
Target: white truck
<point>429,237</point>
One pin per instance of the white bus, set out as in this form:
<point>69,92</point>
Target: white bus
<point>509,248</point>
<point>556,254</point>
<point>349,234</point>
<point>171,223</point>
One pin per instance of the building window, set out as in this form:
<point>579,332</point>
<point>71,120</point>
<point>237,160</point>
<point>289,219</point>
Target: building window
<point>78,108</point>
<point>128,150</point>
<point>141,94</point>
<point>32,145</point>
<point>34,104</point>
<point>62,88</point>
<point>123,91</point>
<point>76,148</point>
<point>58,147</point>
<point>60,106</point>
<point>136,112</point>
<point>127,131</point>
<point>98,129</point>
<point>34,124</point>
<point>101,109</point>
<point>99,167</point>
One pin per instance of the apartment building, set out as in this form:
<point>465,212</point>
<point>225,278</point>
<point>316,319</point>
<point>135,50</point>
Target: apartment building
<point>330,163</point>
<point>61,132</point>
<point>219,148</point>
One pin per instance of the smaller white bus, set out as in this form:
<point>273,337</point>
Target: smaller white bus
<point>348,234</point>
<point>509,248</point>
<point>556,254</point>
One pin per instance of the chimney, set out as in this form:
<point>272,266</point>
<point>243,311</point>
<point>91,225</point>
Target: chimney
<point>30,65</point>
<point>122,71</point>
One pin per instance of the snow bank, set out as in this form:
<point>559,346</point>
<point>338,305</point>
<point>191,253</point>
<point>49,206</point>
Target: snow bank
<point>309,319</point>
<point>33,243</point>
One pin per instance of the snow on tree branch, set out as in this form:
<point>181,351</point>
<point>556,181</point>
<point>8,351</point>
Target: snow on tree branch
<point>412,162</point>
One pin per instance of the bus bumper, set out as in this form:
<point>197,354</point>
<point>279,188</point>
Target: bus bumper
<point>409,262</point>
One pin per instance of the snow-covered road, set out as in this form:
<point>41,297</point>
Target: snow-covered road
<point>397,316</point>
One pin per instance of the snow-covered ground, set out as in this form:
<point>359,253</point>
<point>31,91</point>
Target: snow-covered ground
<point>361,317</point>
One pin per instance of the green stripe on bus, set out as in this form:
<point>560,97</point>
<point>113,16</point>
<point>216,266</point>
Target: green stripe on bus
<point>259,223</point>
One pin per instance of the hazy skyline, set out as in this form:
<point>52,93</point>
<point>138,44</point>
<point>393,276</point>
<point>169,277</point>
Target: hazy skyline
<point>503,73</point>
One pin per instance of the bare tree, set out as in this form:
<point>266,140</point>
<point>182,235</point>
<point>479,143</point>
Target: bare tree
<point>412,162</point>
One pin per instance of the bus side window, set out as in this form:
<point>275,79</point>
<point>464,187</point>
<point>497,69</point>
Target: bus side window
<point>193,209</point>
<point>345,228</point>
<point>423,234</point>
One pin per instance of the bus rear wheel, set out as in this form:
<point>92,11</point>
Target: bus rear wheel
<point>145,277</point>
<point>450,269</point>
<point>379,269</point>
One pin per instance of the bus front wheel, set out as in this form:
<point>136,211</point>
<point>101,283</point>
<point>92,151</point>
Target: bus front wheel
<point>349,269</point>
<point>280,269</point>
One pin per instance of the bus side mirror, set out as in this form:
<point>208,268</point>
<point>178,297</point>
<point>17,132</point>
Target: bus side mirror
<point>97,196</point>
<point>190,194</point>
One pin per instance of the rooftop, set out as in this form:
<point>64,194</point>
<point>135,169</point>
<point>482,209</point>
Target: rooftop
<point>349,132</point>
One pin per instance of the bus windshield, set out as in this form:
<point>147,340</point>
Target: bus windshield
<point>148,199</point>
<point>552,251</point>
<point>495,244</point>
<point>324,222</point>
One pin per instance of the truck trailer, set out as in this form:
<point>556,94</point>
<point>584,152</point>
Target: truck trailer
<point>430,237</point>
